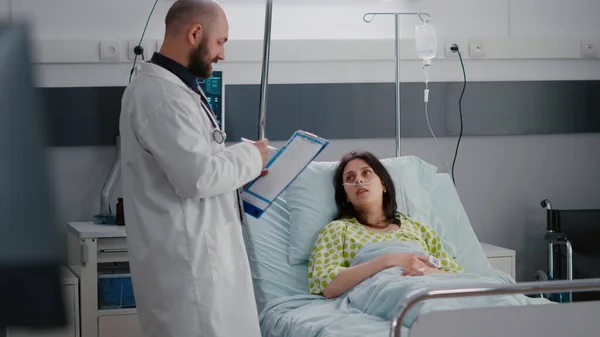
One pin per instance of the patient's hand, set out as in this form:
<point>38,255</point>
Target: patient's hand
<point>420,267</point>
<point>403,260</point>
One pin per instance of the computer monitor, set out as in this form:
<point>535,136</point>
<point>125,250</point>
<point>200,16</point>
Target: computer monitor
<point>215,93</point>
<point>31,247</point>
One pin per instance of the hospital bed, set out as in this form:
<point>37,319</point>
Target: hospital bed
<point>280,272</point>
<point>287,309</point>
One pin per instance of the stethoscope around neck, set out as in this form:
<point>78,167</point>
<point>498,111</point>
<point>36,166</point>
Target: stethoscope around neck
<point>218,135</point>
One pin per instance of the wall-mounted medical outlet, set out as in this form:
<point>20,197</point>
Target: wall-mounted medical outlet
<point>110,51</point>
<point>147,50</point>
<point>463,46</point>
<point>590,49</point>
<point>477,49</point>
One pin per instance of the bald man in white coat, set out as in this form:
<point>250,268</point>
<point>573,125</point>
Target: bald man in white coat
<point>189,266</point>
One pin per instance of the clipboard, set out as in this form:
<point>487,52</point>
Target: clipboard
<point>302,148</point>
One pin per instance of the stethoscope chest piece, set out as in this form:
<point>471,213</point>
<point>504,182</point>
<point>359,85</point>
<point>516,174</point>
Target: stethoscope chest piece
<point>219,136</point>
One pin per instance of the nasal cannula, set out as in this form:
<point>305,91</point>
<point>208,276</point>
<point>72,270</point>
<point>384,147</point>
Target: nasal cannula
<point>358,183</point>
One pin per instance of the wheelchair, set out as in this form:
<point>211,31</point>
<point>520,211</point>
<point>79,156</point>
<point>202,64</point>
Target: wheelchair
<point>573,250</point>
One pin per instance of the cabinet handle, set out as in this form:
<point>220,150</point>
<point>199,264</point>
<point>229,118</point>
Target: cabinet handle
<point>113,251</point>
<point>83,251</point>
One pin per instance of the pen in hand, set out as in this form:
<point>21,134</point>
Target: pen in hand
<point>251,141</point>
<point>264,172</point>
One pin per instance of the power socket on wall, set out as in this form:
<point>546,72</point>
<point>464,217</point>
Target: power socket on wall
<point>462,47</point>
<point>110,51</point>
<point>477,49</point>
<point>147,49</point>
<point>590,49</point>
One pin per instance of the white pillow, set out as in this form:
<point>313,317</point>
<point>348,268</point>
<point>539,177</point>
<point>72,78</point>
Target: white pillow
<point>448,207</point>
<point>311,200</point>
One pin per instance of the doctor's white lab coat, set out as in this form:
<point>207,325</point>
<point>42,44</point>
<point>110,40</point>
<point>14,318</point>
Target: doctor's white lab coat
<point>188,261</point>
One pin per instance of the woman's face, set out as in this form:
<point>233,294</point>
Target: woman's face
<point>369,190</point>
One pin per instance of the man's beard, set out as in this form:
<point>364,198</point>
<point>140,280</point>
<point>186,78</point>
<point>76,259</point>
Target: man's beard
<point>200,62</point>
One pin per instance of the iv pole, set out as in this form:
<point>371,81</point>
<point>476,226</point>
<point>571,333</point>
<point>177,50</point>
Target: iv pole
<point>262,108</point>
<point>262,113</point>
<point>368,18</point>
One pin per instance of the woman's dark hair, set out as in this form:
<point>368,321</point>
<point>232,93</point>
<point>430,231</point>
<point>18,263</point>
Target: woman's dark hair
<point>345,208</point>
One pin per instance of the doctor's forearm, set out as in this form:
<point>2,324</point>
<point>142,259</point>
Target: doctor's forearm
<point>223,172</point>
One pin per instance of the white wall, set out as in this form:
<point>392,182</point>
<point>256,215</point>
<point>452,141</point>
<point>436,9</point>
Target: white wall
<point>321,19</point>
<point>514,32</point>
<point>500,179</point>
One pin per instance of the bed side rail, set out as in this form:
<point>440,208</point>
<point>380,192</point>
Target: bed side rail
<point>418,296</point>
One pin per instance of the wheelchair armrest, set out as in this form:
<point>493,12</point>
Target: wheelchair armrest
<point>556,237</point>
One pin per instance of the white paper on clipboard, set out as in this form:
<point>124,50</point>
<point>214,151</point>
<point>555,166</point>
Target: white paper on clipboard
<point>283,168</point>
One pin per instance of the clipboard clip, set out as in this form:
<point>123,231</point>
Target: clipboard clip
<point>311,134</point>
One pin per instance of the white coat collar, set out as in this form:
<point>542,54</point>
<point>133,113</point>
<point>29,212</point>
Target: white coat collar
<point>153,70</point>
<point>149,69</point>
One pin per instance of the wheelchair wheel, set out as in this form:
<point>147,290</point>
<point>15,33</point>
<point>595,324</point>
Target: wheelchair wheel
<point>541,276</point>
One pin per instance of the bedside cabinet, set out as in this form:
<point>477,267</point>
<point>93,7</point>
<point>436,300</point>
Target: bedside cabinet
<point>500,258</point>
<point>70,288</point>
<point>97,254</point>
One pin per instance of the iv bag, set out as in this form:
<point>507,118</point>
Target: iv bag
<point>425,42</point>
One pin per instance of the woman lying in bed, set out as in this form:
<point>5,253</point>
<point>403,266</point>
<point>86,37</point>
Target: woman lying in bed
<point>364,193</point>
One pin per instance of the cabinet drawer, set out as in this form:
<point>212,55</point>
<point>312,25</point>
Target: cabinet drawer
<point>112,244</point>
<point>69,297</point>
<point>119,326</point>
<point>112,250</point>
<point>504,264</point>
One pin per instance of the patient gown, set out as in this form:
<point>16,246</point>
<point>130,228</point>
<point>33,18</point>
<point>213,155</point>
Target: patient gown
<point>340,241</point>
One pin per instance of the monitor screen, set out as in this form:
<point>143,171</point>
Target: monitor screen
<point>213,88</point>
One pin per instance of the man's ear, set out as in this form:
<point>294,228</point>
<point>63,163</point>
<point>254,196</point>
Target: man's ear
<point>195,33</point>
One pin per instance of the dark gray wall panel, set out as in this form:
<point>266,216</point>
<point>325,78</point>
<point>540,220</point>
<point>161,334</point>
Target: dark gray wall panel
<point>366,110</point>
<point>413,119</point>
<point>89,116</point>
<point>241,111</point>
<point>347,110</point>
<point>524,108</point>
<point>85,116</point>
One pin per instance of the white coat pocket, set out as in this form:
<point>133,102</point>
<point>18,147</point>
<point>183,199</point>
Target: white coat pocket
<point>222,251</point>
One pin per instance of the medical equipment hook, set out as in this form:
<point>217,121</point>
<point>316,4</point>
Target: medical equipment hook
<point>262,113</point>
<point>368,18</point>
<point>508,289</point>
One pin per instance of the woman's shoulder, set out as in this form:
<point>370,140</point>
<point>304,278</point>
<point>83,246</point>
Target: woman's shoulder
<point>415,222</point>
<point>336,226</point>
